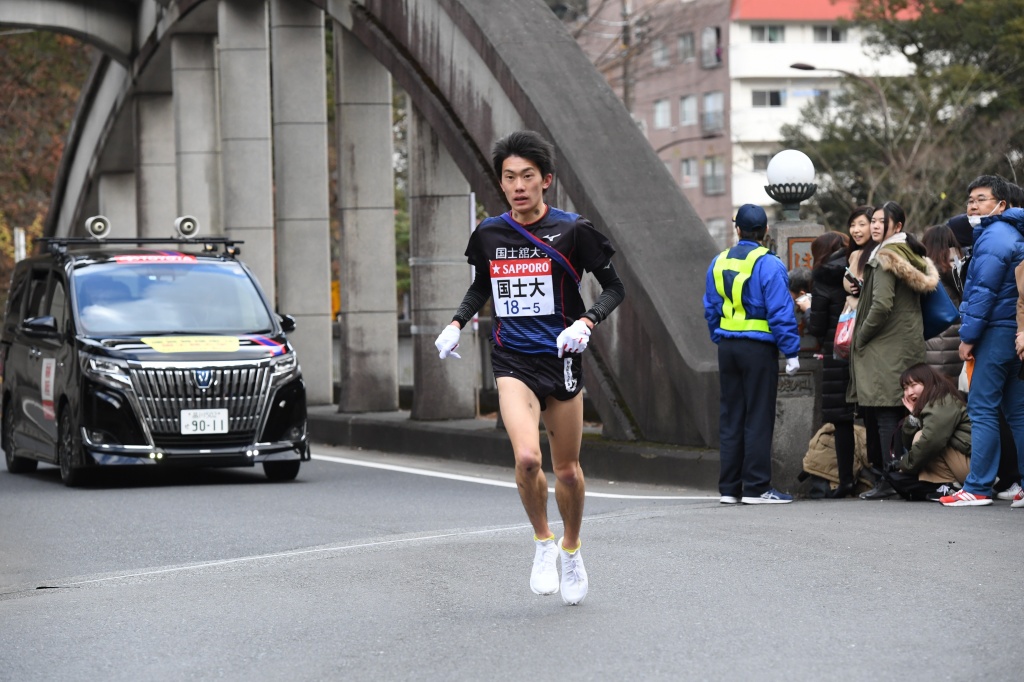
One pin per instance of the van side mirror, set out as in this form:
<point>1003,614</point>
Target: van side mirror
<point>287,323</point>
<point>41,326</point>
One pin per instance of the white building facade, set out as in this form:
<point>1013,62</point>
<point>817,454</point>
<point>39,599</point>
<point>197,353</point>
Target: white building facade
<point>765,40</point>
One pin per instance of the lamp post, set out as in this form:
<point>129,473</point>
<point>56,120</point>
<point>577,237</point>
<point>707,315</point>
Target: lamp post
<point>800,66</point>
<point>790,181</point>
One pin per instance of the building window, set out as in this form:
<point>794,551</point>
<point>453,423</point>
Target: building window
<point>761,162</point>
<point>687,49</point>
<point>768,34</point>
<point>769,98</point>
<point>711,47</point>
<point>829,34</point>
<point>662,114</point>
<point>688,173</point>
<point>659,53</point>
<point>713,120</point>
<point>687,110</point>
<point>714,175</point>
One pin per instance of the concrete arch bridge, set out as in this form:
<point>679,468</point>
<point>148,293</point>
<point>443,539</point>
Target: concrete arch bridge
<point>218,108</point>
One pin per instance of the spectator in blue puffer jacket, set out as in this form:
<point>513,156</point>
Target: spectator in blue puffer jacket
<point>987,332</point>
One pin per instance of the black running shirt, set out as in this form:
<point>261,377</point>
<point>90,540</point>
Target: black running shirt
<point>533,297</point>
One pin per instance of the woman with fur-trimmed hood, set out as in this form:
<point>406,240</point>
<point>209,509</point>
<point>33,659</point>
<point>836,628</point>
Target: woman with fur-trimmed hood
<point>888,335</point>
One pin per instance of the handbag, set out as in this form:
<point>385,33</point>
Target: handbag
<point>844,333</point>
<point>937,312</point>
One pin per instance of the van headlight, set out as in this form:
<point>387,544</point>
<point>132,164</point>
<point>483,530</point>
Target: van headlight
<point>107,371</point>
<point>286,368</point>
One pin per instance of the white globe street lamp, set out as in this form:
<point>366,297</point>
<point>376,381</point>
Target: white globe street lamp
<point>790,181</point>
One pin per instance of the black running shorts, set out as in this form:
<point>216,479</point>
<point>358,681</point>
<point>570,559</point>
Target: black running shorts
<point>545,375</point>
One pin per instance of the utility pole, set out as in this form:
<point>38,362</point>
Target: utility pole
<point>627,46</point>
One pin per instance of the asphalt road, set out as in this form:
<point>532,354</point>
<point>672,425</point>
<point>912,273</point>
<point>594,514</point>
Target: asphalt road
<point>382,567</point>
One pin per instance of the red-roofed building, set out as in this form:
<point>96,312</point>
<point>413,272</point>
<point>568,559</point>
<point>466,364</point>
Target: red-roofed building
<point>792,10</point>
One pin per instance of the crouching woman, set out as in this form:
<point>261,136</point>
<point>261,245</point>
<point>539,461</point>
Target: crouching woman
<point>936,435</point>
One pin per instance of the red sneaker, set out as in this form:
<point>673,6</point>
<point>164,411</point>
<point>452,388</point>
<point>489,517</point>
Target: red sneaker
<point>962,498</point>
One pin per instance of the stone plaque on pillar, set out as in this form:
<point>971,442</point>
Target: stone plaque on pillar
<point>791,241</point>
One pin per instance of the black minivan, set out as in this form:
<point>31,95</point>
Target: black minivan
<point>117,353</point>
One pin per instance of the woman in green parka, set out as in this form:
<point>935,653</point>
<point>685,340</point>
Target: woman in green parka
<point>936,433</point>
<point>888,334</point>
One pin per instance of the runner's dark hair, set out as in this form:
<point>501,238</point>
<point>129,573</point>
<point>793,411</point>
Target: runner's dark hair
<point>528,145</point>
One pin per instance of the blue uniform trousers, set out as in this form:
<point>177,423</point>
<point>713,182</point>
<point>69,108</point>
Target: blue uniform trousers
<point>748,374</point>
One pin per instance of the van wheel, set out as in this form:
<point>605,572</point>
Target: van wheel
<point>282,471</point>
<point>16,465</point>
<point>70,473</point>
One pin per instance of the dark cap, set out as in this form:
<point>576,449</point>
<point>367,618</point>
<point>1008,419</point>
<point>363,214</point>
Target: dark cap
<point>750,217</point>
<point>962,229</point>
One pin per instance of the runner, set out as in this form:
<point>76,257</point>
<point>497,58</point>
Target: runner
<point>529,262</point>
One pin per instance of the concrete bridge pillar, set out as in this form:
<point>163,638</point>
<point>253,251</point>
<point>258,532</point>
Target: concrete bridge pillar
<point>439,210</point>
<point>194,80</point>
<point>116,198</point>
<point>301,185</point>
<point>366,202</point>
<point>246,153</point>
<point>154,169</point>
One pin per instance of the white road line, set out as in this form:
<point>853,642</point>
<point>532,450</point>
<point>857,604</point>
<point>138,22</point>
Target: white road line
<point>491,481</point>
<point>293,553</point>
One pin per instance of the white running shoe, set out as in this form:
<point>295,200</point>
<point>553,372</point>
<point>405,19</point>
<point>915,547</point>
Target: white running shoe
<point>728,499</point>
<point>544,577</point>
<point>574,575</point>
<point>1018,500</point>
<point>1009,493</point>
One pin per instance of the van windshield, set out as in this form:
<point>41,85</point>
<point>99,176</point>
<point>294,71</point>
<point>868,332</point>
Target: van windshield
<point>185,296</point>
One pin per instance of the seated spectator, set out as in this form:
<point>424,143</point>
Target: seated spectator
<point>936,435</point>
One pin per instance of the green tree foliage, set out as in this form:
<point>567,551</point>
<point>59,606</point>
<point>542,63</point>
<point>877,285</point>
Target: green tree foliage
<point>40,79</point>
<point>953,118</point>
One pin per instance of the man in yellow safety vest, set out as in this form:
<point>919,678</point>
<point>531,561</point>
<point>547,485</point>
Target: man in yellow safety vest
<point>750,317</point>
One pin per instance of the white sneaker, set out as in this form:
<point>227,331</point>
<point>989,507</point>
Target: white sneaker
<point>574,575</point>
<point>1009,493</point>
<point>544,577</point>
<point>728,499</point>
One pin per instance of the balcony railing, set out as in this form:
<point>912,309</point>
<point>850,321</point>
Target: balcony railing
<point>712,122</point>
<point>714,184</point>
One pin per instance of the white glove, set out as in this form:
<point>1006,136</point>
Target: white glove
<point>448,341</point>
<point>574,339</point>
<point>792,365</point>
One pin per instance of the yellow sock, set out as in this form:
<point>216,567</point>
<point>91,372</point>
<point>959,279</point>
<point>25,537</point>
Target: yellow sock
<point>545,539</point>
<point>574,549</point>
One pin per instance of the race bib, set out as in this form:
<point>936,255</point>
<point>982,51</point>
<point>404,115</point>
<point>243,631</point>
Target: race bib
<point>522,287</point>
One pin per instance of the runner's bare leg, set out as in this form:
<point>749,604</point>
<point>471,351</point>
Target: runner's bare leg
<point>520,412</point>
<point>564,423</point>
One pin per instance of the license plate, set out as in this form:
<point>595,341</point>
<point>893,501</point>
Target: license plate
<point>204,421</point>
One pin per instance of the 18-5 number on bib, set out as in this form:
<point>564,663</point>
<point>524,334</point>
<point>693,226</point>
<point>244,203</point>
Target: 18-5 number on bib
<point>522,287</point>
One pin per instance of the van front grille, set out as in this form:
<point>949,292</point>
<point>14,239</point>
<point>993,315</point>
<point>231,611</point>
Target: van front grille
<point>164,393</point>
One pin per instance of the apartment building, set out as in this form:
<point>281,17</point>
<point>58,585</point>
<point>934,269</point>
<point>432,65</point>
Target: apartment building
<point>711,83</point>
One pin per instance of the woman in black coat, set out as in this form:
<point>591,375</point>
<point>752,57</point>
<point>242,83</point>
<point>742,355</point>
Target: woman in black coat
<point>828,298</point>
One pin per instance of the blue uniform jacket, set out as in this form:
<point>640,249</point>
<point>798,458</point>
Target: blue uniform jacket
<point>765,297</point>
<point>990,292</point>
